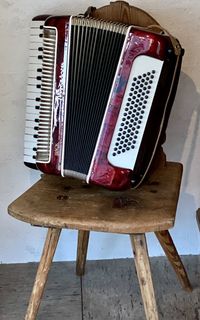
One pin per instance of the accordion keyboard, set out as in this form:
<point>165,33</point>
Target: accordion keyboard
<point>44,128</point>
<point>33,92</point>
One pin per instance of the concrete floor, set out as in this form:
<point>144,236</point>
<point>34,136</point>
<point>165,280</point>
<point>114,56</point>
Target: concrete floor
<point>109,290</point>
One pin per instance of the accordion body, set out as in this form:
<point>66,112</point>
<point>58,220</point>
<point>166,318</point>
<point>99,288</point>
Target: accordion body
<point>98,100</point>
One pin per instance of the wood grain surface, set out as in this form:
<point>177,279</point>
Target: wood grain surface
<point>42,272</point>
<point>169,248</point>
<point>83,238</point>
<point>111,290</point>
<point>108,290</point>
<point>144,275</point>
<point>68,203</point>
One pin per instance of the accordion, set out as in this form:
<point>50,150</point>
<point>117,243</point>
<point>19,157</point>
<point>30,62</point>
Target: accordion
<point>99,95</point>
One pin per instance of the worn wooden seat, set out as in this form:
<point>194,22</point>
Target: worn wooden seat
<point>57,203</point>
<point>69,203</point>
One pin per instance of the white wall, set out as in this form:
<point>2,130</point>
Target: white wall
<point>20,242</point>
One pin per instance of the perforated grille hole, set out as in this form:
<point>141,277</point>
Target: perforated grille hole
<point>129,128</point>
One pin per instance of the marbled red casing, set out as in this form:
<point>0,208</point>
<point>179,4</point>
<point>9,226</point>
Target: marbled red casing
<point>62,26</point>
<point>138,43</point>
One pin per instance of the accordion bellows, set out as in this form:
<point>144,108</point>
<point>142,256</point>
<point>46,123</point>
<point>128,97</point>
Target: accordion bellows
<point>98,100</point>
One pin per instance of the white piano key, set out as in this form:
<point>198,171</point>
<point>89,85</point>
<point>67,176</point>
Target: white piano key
<point>29,137</point>
<point>30,124</point>
<point>35,52</point>
<point>31,96</point>
<point>33,74</point>
<point>36,23</point>
<point>33,81</point>
<point>30,131</point>
<point>29,159</point>
<point>32,111</point>
<point>29,152</point>
<point>38,33</point>
<point>31,116</point>
<point>30,145</point>
<point>35,60</point>
<point>32,68</point>
<point>31,102</point>
<point>33,89</point>
<point>36,39</point>
<point>34,45</point>
<point>35,31</point>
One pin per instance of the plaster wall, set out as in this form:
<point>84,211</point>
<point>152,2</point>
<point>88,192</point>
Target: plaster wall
<point>20,242</point>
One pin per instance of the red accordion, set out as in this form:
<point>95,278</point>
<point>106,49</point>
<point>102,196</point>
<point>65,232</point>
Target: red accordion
<point>98,100</point>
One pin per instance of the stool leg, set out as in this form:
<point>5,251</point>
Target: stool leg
<point>144,275</point>
<point>169,248</point>
<point>42,272</point>
<point>83,238</point>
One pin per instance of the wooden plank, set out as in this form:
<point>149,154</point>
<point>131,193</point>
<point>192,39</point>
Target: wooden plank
<point>42,272</point>
<point>69,203</point>
<point>173,256</point>
<point>61,299</point>
<point>83,238</point>
<point>110,291</point>
<point>144,275</point>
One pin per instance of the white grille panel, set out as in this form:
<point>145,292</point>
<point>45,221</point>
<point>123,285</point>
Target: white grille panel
<point>134,112</point>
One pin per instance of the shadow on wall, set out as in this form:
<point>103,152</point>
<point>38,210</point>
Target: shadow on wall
<point>183,129</point>
<point>183,145</point>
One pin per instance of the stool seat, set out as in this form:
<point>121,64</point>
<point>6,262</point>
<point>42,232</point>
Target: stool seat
<point>58,203</point>
<point>68,203</point>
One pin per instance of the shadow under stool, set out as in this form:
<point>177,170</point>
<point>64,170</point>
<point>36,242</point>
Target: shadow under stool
<point>57,203</point>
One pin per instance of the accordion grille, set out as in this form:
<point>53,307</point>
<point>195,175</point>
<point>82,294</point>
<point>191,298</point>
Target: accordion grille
<point>94,56</point>
<point>47,80</point>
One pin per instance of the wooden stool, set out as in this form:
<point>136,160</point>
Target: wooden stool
<point>58,203</point>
